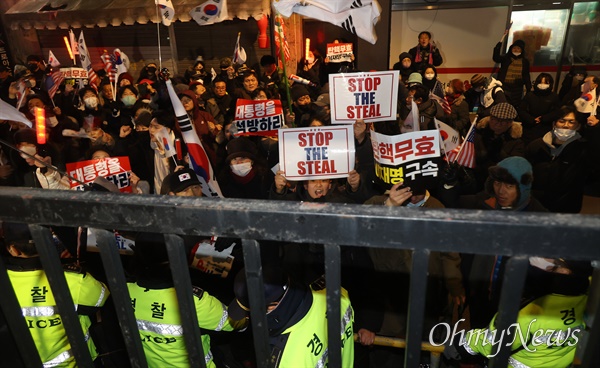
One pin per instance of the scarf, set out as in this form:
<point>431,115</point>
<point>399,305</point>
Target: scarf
<point>514,73</point>
<point>423,53</point>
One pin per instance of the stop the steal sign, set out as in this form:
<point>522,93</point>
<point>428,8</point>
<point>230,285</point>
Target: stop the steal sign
<point>316,152</point>
<point>369,96</point>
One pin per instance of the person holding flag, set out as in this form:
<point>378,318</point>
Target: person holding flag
<point>198,159</point>
<point>162,140</point>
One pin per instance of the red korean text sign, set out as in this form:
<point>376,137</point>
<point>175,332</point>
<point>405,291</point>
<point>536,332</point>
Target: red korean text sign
<point>115,169</point>
<point>316,152</point>
<point>263,117</point>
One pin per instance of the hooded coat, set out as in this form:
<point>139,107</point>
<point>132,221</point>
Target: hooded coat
<point>514,91</point>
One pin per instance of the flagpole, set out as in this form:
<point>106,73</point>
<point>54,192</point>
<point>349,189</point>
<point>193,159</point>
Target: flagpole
<point>158,33</point>
<point>282,58</point>
<point>466,137</point>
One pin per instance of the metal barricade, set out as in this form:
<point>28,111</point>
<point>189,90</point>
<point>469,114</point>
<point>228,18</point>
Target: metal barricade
<point>518,235</point>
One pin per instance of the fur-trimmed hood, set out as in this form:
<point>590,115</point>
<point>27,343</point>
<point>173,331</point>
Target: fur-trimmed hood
<point>516,130</point>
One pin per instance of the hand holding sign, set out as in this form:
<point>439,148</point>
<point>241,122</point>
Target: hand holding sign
<point>368,96</point>
<point>280,182</point>
<point>398,195</point>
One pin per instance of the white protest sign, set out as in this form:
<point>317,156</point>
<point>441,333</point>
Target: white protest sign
<point>369,96</point>
<point>316,152</point>
<point>339,52</point>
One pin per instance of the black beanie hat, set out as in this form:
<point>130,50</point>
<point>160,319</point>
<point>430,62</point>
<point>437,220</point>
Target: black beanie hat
<point>298,90</point>
<point>25,135</point>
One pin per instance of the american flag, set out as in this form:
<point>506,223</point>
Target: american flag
<point>464,154</point>
<point>109,66</point>
<point>280,36</point>
<point>53,81</point>
<point>443,103</point>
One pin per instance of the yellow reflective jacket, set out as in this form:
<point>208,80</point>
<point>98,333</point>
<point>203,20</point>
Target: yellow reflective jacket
<point>159,324</point>
<point>40,312</point>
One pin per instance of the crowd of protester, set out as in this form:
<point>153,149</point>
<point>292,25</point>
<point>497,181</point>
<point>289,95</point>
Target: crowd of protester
<point>535,150</point>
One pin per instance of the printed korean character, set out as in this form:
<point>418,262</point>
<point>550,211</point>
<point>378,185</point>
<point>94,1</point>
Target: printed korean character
<point>329,50</point>
<point>38,295</point>
<point>396,175</point>
<point>83,74</point>
<point>114,166</point>
<point>241,126</point>
<point>336,49</point>
<point>239,112</point>
<point>403,149</point>
<point>76,73</point>
<point>252,125</point>
<point>68,74</point>
<point>414,173</point>
<point>342,48</point>
<point>77,173</point>
<point>270,107</point>
<point>265,124</point>
<point>89,173</point>
<point>382,173</point>
<point>259,110</point>
<point>102,167</point>
<point>249,112</point>
<point>430,169</point>
<point>386,151</point>
<point>276,122</point>
<point>158,310</point>
<point>133,301</point>
<point>424,146</point>
<point>315,345</point>
<point>568,316</point>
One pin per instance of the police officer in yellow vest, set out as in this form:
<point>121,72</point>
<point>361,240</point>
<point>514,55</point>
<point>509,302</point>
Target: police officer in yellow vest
<point>37,301</point>
<point>550,322</point>
<point>296,319</point>
<point>154,300</point>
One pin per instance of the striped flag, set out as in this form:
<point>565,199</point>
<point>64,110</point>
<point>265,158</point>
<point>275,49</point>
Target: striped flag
<point>86,62</point>
<point>109,66</point>
<point>198,158</point>
<point>464,154</point>
<point>442,101</point>
<point>53,81</point>
<point>280,38</point>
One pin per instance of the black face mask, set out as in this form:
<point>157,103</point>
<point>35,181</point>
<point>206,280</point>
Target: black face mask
<point>32,67</point>
<point>151,70</point>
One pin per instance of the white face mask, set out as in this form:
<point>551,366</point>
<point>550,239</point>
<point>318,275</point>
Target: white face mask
<point>543,87</point>
<point>91,102</point>
<point>241,169</point>
<point>516,53</point>
<point>541,263</point>
<point>564,134</point>
<point>418,204</point>
<point>28,149</point>
<point>429,76</point>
